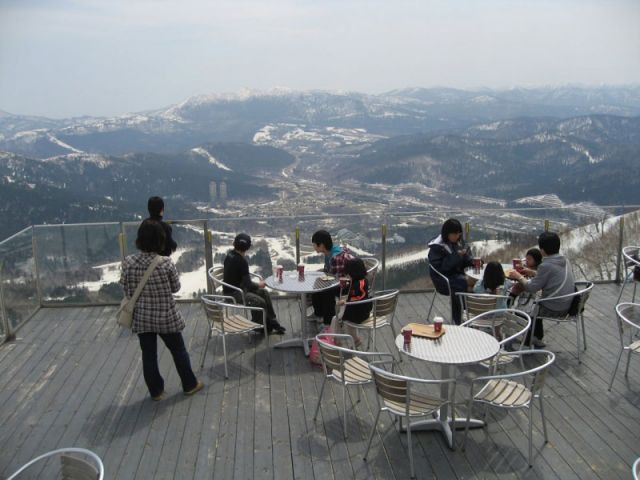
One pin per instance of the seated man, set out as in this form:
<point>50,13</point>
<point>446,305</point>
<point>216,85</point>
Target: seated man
<point>450,257</point>
<point>236,273</point>
<point>554,277</point>
<point>335,257</point>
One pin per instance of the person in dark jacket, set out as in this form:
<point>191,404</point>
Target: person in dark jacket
<point>155,205</point>
<point>357,290</point>
<point>236,273</point>
<point>449,255</point>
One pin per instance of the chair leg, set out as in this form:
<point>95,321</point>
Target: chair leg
<point>544,420</point>
<point>530,434</point>
<point>373,430</point>
<point>466,426</point>
<point>578,338</point>
<point>344,410</point>
<point>204,351</point>
<point>613,376</point>
<point>584,333</point>
<point>374,339</point>
<point>626,370</point>
<point>224,354</point>
<point>410,444</point>
<point>358,387</point>
<point>433,299</point>
<point>324,381</point>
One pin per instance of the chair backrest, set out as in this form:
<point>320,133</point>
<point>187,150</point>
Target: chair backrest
<point>332,357</point>
<point>539,373</point>
<point>390,386</point>
<point>216,273</point>
<point>215,310</point>
<point>584,289</point>
<point>628,315</point>
<point>631,256</point>
<point>71,466</point>
<point>477,303</point>
<point>371,264</point>
<point>636,469</point>
<point>385,303</point>
<point>442,277</point>
<point>514,323</point>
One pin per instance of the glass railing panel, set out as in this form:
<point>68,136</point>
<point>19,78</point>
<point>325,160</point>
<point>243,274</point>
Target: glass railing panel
<point>79,264</point>
<point>18,286</point>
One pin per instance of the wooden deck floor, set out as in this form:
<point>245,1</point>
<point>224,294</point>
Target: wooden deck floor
<point>74,379</point>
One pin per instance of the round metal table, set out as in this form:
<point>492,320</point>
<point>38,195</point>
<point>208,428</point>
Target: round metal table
<point>470,272</point>
<point>458,346</point>
<point>291,283</point>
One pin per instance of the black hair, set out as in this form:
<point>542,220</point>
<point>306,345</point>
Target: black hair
<point>322,237</point>
<point>450,226</point>
<point>549,242</point>
<point>155,205</point>
<point>242,242</point>
<point>493,276</point>
<point>356,269</point>
<point>151,237</point>
<point>536,255</point>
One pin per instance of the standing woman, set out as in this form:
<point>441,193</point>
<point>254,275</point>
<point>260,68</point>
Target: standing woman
<point>155,312</point>
<point>450,257</point>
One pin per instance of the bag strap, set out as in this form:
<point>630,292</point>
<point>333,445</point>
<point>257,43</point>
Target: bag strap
<point>145,278</point>
<point>566,274</point>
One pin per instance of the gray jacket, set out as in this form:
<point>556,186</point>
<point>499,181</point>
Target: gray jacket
<point>550,278</point>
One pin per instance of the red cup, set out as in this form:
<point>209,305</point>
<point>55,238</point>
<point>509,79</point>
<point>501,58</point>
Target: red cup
<point>477,264</point>
<point>407,334</point>
<point>279,272</point>
<point>301,271</point>
<point>517,264</point>
<point>437,324</point>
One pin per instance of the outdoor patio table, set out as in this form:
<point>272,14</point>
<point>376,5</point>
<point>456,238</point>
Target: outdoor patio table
<point>291,283</point>
<point>470,272</point>
<point>458,346</point>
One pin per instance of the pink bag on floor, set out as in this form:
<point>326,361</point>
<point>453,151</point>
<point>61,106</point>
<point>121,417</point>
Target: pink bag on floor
<point>314,353</point>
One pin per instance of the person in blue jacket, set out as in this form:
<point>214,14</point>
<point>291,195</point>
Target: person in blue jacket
<point>450,256</point>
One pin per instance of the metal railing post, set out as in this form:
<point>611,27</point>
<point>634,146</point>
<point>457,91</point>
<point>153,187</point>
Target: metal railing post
<point>123,243</point>
<point>8,333</point>
<point>383,232</point>
<point>297,245</point>
<point>467,232</point>
<point>208,255</point>
<point>619,253</point>
<point>546,225</point>
<point>36,266</point>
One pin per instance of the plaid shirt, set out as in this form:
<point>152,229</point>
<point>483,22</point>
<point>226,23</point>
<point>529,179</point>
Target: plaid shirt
<point>155,309</point>
<point>338,260</point>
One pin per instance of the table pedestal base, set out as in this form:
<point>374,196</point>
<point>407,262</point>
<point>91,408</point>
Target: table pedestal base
<point>444,426</point>
<point>295,342</point>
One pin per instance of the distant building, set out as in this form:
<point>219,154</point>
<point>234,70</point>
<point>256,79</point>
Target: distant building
<point>223,190</point>
<point>213,191</point>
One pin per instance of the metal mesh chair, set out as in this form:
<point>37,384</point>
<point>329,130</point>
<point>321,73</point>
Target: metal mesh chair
<point>400,398</point>
<point>435,292</point>
<point>225,317</point>
<point>75,464</point>
<point>371,264</point>
<point>216,273</point>
<point>636,469</point>
<point>513,391</point>
<point>473,305</point>
<point>513,327</point>
<point>631,257</point>
<point>346,366</point>
<point>382,313</point>
<point>627,316</point>
<point>583,291</point>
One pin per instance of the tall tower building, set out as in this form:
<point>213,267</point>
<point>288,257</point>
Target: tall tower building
<point>213,191</point>
<point>223,190</point>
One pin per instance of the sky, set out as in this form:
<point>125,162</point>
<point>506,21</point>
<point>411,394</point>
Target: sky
<point>62,58</point>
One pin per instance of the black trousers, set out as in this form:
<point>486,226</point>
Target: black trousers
<point>150,370</point>
<point>259,298</point>
<point>324,303</point>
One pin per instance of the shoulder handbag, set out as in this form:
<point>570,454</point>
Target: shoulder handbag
<point>124,315</point>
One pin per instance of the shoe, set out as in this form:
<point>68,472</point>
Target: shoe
<point>199,386</point>
<point>538,343</point>
<point>158,397</point>
<point>276,328</point>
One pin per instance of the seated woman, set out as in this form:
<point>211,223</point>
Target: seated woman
<point>236,273</point>
<point>450,257</point>
<point>495,283</point>
<point>358,290</point>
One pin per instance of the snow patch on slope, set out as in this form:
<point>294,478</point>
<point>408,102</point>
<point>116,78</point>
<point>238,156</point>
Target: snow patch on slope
<point>211,158</point>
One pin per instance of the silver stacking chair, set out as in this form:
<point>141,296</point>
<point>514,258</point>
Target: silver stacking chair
<point>225,317</point>
<point>75,464</point>
<point>398,395</point>
<point>513,327</point>
<point>636,469</point>
<point>627,316</point>
<point>371,264</point>
<point>583,291</point>
<point>216,273</point>
<point>435,292</point>
<point>473,305</point>
<point>513,391</point>
<point>630,255</point>
<point>382,313</point>
<point>346,366</point>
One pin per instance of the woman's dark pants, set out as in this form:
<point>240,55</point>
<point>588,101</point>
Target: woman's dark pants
<point>175,344</point>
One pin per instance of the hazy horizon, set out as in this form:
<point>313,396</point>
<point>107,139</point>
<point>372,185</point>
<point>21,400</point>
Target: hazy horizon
<point>65,58</point>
